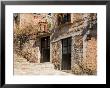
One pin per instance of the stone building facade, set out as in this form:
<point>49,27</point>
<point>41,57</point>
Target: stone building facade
<point>68,40</point>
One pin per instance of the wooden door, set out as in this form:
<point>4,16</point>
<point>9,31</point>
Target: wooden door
<point>45,49</point>
<point>66,54</point>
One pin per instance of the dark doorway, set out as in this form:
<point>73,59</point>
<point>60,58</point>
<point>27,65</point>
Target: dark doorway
<point>45,49</point>
<point>66,54</point>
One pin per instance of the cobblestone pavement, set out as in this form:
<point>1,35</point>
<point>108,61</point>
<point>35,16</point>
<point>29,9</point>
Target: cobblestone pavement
<point>22,67</point>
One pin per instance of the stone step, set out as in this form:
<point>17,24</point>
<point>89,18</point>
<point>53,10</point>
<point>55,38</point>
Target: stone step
<point>20,60</point>
<point>33,66</point>
<point>21,64</point>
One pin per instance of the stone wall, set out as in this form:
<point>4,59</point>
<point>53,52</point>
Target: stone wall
<point>25,20</point>
<point>73,30</point>
<point>83,51</point>
<point>56,54</point>
<point>89,62</point>
<point>77,54</point>
<point>30,19</point>
<point>90,59</point>
<point>78,48</point>
<point>31,51</point>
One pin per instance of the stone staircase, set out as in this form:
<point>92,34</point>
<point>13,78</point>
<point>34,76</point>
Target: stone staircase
<point>23,67</point>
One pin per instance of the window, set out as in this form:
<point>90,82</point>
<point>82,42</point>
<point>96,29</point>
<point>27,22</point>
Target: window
<point>63,18</point>
<point>65,42</point>
<point>49,14</point>
<point>66,45</point>
<point>64,50</point>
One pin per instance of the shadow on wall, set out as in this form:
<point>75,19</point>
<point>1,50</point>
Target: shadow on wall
<point>59,31</point>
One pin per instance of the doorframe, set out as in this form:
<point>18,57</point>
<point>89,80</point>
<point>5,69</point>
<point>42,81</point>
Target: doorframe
<point>62,52</point>
<point>41,59</point>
